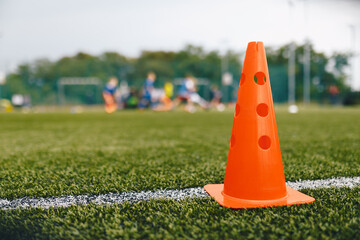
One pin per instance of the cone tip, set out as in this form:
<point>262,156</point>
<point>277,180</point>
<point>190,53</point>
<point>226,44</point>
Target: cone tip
<point>255,45</point>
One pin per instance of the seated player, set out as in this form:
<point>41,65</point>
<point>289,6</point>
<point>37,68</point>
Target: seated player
<point>188,93</point>
<point>164,102</point>
<point>216,96</point>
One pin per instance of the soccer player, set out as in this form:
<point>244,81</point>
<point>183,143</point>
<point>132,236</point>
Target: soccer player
<point>147,91</point>
<point>109,95</point>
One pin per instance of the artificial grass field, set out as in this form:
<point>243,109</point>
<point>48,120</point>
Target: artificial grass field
<point>56,154</point>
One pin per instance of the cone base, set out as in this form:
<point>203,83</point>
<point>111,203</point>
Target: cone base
<point>293,197</point>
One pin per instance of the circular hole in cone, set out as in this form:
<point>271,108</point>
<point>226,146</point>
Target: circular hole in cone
<point>262,109</point>
<point>264,142</point>
<point>260,78</point>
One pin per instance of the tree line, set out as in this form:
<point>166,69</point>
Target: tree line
<point>38,79</point>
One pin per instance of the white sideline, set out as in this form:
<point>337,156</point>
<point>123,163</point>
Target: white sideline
<point>175,194</point>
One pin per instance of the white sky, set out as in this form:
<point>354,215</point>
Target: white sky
<point>31,29</point>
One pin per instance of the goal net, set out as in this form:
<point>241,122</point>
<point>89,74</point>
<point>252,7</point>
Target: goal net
<point>79,90</point>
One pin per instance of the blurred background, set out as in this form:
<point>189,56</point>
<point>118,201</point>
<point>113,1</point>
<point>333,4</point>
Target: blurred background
<point>64,52</point>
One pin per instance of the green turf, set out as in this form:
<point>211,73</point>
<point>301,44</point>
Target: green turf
<point>60,154</point>
<point>335,214</point>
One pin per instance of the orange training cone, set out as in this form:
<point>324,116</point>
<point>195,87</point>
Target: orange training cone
<point>254,173</point>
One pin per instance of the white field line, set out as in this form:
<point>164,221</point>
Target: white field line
<point>176,194</point>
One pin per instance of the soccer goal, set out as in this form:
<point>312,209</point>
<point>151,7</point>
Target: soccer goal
<point>79,90</point>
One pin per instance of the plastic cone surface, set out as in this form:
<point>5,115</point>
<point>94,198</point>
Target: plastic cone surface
<point>254,173</point>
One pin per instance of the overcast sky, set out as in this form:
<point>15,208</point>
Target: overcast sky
<point>31,29</point>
